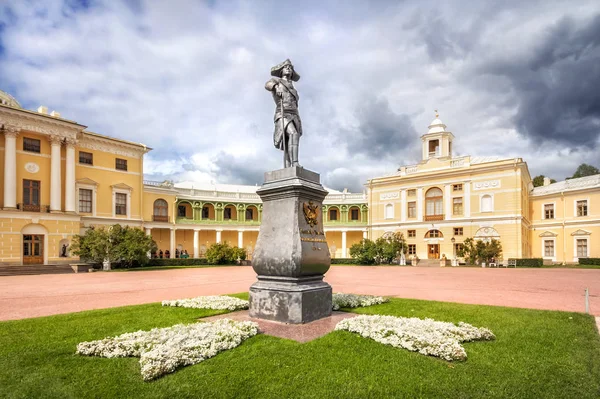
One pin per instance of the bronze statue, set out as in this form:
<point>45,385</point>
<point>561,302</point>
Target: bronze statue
<point>288,127</point>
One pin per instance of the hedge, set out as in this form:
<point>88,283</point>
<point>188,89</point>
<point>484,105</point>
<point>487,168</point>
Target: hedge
<point>344,261</point>
<point>529,262</point>
<point>589,261</point>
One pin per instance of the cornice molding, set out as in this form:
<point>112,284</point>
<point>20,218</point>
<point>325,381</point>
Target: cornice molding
<point>29,121</point>
<point>111,146</point>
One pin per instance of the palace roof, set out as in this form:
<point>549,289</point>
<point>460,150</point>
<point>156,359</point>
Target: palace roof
<point>568,185</point>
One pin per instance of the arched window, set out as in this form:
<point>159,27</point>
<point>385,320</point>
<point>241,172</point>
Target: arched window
<point>161,211</point>
<point>434,204</point>
<point>434,234</point>
<point>333,214</point>
<point>389,211</point>
<point>487,204</point>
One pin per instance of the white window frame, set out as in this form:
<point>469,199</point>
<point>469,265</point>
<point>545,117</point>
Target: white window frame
<point>578,237</point>
<point>575,207</point>
<point>544,210</point>
<point>385,211</point>
<point>114,202</point>
<point>553,257</point>
<point>94,189</point>
<point>481,203</point>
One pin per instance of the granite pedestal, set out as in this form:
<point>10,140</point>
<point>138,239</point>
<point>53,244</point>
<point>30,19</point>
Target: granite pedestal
<point>291,254</point>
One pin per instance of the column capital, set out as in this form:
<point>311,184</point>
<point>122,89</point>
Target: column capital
<point>11,130</point>
<point>70,141</point>
<point>55,139</point>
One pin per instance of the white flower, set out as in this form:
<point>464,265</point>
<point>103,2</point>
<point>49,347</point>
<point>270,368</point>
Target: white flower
<point>214,302</point>
<point>341,300</point>
<point>163,350</point>
<point>428,337</point>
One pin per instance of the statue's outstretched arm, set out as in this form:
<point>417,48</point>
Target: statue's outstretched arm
<point>270,85</point>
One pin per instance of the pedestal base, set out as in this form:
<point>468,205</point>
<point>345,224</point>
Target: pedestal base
<point>289,299</point>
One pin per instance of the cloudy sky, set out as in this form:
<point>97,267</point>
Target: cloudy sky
<point>186,77</point>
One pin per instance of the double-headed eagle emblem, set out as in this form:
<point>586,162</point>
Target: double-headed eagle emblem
<point>311,212</point>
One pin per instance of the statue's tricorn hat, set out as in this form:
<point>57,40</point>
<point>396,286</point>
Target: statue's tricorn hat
<point>278,69</point>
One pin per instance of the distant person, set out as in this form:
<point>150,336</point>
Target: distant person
<point>167,254</point>
<point>185,254</point>
<point>63,252</point>
<point>177,253</point>
<point>160,254</point>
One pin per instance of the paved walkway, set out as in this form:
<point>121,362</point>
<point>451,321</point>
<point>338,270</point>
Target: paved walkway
<point>558,289</point>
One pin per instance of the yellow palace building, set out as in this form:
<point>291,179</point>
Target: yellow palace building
<point>60,179</point>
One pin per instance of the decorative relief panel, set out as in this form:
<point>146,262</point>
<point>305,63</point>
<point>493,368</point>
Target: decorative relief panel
<point>32,167</point>
<point>391,195</point>
<point>485,185</point>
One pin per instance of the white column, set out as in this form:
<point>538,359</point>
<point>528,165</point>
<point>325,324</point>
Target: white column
<point>419,204</point>
<point>240,239</point>
<point>219,236</point>
<point>172,244</point>
<point>10,166</point>
<point>70,177</point>
<point>55,186</point>
<point>448,201</point>
<point>467,191</point>
<point>344,244</point>
<point>403,205</point>
<point>196,247</point>
<point>149,233</point>
<point>365,234</point>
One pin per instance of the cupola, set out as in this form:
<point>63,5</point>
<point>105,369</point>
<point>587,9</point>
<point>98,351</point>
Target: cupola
<point>437,142</point>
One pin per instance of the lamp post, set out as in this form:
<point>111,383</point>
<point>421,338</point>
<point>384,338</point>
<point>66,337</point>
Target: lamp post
<point>453,251</point>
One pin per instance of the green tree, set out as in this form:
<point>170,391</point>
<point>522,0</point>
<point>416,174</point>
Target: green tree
<point>114,244</point>
<point>390,247</point>
<point>475,251</point>
<point>585,170</point>
<point>364,252</point>
<point>538,181</point>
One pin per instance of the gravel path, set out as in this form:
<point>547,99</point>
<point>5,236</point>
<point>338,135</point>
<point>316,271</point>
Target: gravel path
<point>556,289</point>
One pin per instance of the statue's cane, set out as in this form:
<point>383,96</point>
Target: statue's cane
<point>283,131</point>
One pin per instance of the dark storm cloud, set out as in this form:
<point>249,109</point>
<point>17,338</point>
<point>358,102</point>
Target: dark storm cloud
<point>556,87</point>
<point>240,170</point>
<point>381,132</point>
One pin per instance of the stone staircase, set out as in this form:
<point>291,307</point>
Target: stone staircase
<point>430,263</point>
<point>23,270</point>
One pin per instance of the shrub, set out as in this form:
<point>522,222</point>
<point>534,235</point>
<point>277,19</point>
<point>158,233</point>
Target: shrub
<point>344,261</point>
<point>480,251</point>
<point>223,254</point>
<point>529,262</point>
<point>589,261</point>
<point>177,262</point>
<point>364,252</point>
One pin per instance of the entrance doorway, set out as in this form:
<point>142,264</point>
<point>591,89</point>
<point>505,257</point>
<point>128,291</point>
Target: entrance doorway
<point>33,249</point>
<point>433,251</point>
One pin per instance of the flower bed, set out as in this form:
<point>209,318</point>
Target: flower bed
<point>428,337</point>
<point>214,302</point>
<point>341,300</point>
<point>163,350</point>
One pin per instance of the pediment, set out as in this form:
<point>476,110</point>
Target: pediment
<point>87,181</point>
<point>548,234</point>
<point>122,186</point>
<point>580,233</point>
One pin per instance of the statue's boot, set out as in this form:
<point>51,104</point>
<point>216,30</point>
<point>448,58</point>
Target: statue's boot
<point>294,148</point>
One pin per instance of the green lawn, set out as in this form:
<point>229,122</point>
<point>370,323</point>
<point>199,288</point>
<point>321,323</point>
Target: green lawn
<point>537,354</point>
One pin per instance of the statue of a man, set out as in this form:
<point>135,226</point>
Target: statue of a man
<point>288,127</point>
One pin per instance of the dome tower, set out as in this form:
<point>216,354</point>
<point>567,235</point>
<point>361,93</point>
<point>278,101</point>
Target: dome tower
<point>437,142</point>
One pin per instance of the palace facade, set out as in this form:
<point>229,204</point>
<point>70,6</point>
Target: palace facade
<point>60,179</point>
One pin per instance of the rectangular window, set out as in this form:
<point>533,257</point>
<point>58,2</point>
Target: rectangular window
<point>412,210</point>
<point>227,213</point>
<point>333,214</point>
<point>457,187</point>
<point>120,204</point>
<point>582,251</point>
<point>86,158</point>
<point>181,211</point>
<point>249,214</point>
<point>549,211</point>
<point>458,231</point>
<point>412,233</point>
<point>412,249</point>
<point>31,145</point>
<point>31,192</point>
<point>582,208</point>
<point>121,164</point>
<point>85,200</point>
<point>549,248</point>
<point>457,248</point>
<point>457,206</point>
<point>411,193</point>
<point>354,214</point>
<point>205,212</point>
